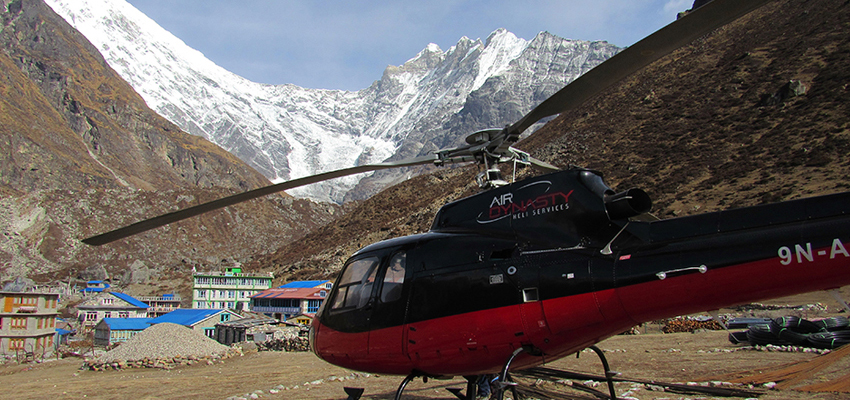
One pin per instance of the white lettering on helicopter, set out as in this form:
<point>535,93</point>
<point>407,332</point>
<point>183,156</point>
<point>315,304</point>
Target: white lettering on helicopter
<point>541,211</point>
<point>804,253</point>
<point>504,205</point>
<point>507,198</point>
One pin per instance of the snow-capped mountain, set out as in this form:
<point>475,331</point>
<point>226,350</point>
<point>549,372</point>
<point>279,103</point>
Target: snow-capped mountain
<point>284,131</point>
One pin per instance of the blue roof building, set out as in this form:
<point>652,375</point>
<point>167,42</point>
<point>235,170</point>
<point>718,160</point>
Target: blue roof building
<point>130,299</point>
<point>199,319</point>
<point>116,330</point>
<point>94,287</point>
<point>307,285</point>
<point>109,305</point>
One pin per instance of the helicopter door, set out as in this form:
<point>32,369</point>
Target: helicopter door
<point>389,307</point>
<point>352,306</point>
<point>535,326</point>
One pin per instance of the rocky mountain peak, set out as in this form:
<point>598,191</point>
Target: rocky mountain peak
<point>287,132</point>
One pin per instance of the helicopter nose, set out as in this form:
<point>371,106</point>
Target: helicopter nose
<point>311,337</point>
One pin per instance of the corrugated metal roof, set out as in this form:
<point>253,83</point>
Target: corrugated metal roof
<point>303,284</point>
<point>291,293</point>
<point>249,322</point>
<point>186,316</point>
<point>127,324</point>
<point>130,299</point>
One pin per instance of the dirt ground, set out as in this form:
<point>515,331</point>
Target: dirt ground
<point>679,357</point>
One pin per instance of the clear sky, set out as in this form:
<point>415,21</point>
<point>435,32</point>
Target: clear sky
<point>339,44</point>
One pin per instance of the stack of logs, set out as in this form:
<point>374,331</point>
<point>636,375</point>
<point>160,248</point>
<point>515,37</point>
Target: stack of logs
<point>689,325</point>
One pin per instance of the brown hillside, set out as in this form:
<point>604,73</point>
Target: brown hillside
<point>700,130</point>
<point>707,128</point>
<point>83,154</point>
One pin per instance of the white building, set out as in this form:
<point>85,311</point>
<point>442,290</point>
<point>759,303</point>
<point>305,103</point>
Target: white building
<point>230,289</point>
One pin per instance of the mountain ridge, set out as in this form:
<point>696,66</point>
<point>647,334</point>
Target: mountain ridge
<point>285,131</point>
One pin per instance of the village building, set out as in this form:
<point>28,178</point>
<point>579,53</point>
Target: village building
<point>201,320</point>
<point>109,305</point>
<point>252,328</point>
<point>28,323</point>
<point>94,287</point>
<point>283,303</point>
<point>303,319</point>
<point>229,289</point>
<point>308,284</point>
<point>116,330</point>
<point>161,305</point>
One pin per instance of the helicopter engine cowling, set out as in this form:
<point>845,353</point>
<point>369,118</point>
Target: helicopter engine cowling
<point>628,203</point>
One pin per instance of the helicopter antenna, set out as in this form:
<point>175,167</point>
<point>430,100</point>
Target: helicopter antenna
<point>607,249</point>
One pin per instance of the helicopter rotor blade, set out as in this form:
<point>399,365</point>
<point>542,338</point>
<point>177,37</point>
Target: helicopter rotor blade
<point>541,165</point>
<point>664,41</point>
<point>179,215</point>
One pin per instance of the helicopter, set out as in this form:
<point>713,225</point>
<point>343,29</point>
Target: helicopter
<point>529,271</point>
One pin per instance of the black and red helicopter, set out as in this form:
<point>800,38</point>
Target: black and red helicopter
<point>530,271</point>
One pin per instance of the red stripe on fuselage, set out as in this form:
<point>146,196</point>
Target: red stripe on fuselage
<point>732,285</point>
<point>467,344</point>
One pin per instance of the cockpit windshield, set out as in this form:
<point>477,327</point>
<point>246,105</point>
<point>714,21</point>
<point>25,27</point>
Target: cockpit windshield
<point>355,285</point>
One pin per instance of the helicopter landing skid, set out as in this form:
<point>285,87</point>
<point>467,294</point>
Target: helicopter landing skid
<point>504,381</point>
<point>353,393</point>
<point>609,375</point>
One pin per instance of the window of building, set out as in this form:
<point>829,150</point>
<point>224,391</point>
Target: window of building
<point>91,316</point>
<point>202,294</point>
<point>26,301</point>
<point>18,323</point>
<point>16,344</point>
<point>124,314</point>
<point>107,301</point>
<point>313,306</point>
<point>224,317</point>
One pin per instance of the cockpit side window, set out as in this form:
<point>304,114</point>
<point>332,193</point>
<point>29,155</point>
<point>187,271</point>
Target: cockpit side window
<point>394,278</point>
<point>355,285</point>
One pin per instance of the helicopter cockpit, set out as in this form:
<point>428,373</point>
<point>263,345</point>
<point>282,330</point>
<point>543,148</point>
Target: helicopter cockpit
<point>361,282</point>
